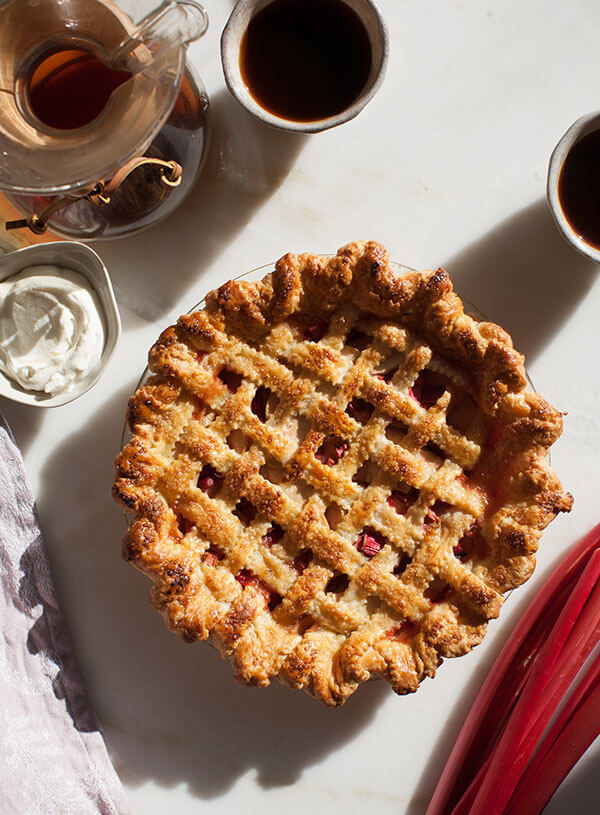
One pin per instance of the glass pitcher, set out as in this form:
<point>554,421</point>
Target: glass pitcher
<point>102,124</point>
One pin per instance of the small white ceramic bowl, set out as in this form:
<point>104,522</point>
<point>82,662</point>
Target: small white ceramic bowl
<point>584,125</point>
<point>231,41</point>
<point>82,259</point>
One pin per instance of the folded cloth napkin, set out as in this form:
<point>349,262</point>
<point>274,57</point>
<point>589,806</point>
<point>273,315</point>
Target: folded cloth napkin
<point>53,760</point>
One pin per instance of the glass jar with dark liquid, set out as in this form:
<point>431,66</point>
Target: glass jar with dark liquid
<point>105,127</point>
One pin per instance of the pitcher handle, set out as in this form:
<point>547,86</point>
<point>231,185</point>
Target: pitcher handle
<point>173,24</point>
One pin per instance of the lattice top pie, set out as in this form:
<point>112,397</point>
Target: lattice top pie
<point>336,473</point>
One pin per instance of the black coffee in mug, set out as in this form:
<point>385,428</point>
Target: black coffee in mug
<point>305,60</point>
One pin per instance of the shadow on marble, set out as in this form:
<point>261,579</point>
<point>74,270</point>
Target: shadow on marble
<point>245,164</point>
<point>524,276</point>
<point>24,421</point>
<point>579,791</point>
<point>172,712</point>
<point>230,731</point>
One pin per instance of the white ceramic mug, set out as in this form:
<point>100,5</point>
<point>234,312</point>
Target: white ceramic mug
<point>231,41</point>
<point>579,129</point>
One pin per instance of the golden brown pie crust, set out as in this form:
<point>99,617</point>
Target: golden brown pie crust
<point>336,473</point>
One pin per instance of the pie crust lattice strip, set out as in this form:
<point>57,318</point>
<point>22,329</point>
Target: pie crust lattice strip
<point>335,473</point>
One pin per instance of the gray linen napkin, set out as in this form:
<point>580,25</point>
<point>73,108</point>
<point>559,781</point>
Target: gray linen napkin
<point>53,760</point>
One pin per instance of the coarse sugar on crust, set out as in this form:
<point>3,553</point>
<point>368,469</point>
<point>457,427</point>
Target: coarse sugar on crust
<point>335,473</point>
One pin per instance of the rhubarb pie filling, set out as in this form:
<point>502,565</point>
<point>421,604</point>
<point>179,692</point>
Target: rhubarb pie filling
<point>336,474</point>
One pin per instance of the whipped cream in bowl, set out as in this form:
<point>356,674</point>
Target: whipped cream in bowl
<point>51,328</point>
<point>59,322</point>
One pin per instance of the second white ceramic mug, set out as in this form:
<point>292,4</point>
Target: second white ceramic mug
<point>579,129</point>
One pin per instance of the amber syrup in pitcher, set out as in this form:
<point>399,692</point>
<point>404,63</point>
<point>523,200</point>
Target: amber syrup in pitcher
<point>68,88</point>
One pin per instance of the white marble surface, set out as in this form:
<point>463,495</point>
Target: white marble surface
<point>447,167</point>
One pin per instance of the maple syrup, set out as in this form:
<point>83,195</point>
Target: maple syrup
<point>579,188</point>
<point>70,87</point>
<point>305,60</point>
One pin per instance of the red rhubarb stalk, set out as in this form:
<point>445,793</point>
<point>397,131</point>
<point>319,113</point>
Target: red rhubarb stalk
<point>549,679</point>
<point>547,685</point>
<point>574,730</point>
<point>505,681</point>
